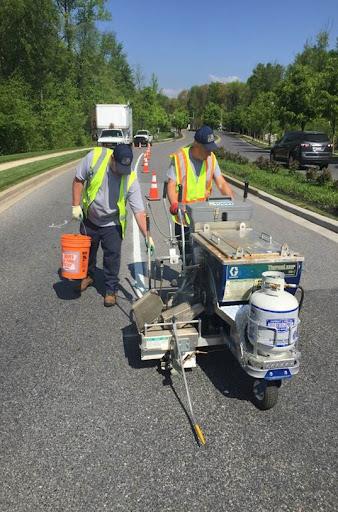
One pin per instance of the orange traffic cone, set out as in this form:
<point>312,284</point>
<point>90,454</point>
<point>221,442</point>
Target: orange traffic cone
<point>153,192</point>
<point>145,164</point>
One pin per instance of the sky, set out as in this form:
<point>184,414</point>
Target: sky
<point>188,42</point>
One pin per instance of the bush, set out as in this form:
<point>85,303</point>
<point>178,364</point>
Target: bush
<point>266,165</point>
<point>324,177</point>
<point>311,174</point>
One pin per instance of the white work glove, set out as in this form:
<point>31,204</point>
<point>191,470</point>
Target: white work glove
<point>150,245</point>
<point>77,213</point>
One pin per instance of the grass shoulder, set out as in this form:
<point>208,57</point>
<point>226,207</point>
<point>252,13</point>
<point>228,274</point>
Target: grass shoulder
<point>11,177</point>
<point>287,184</point>
<point>31,154</point>
<point>255,142</point>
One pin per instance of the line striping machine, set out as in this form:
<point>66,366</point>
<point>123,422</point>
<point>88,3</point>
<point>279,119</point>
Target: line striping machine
<point>236,288</point>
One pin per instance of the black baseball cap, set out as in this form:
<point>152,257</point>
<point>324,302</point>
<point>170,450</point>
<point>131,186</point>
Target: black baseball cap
<point>123,157</point>
<point>205,136</point>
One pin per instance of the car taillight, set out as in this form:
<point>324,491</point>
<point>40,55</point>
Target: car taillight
<point>306,146</point>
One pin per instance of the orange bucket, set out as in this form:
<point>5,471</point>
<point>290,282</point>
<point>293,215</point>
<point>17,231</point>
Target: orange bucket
<point>75,255</point>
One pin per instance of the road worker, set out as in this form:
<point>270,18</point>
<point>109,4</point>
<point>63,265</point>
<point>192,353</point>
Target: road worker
<point>105,182</point>
<point>194,167</point>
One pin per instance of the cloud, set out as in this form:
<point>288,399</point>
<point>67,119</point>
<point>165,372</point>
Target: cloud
<point>223,79</point>
<point>171,93</point>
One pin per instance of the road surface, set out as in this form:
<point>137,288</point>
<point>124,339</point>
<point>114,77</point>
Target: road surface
<point>86,426</point>
<point>237,145</point>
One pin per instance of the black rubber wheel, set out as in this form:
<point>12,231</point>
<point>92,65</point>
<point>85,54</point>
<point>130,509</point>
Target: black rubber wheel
<point>265,394</point>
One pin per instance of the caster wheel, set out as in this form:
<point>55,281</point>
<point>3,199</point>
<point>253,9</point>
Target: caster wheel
<point>265,394</point>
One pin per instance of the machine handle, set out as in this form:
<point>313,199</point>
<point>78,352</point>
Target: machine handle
<point>246,189</point>
<point>180,193</point>
<point>148,223</point>
<point>165,186</point>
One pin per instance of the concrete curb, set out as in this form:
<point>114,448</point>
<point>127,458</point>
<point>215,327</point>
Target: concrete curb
<point>13,194</point>
<point>313,217</point>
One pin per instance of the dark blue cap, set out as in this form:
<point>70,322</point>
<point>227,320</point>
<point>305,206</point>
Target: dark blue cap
<point>123,157</point>
<point>205,136</point>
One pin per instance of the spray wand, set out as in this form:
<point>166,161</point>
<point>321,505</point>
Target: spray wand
<point>197,428</point>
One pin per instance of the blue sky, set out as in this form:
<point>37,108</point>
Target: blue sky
<point>189,42</point>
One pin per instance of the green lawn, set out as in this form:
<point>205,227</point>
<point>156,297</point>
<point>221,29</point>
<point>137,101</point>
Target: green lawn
<point>13,176</point>
<point>292,187</point>
<point>21,156</point>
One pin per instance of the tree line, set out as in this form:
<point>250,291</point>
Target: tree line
<point>303,95</point>
<point>56,64</point>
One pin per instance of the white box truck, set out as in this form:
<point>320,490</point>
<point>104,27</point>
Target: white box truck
<point>113,124</point>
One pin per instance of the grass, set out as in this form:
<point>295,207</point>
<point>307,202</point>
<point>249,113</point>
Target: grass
<point>21,156</point>
<point>15,175</point>
<point>255,142</point>
<point>287,185</point>
<point>163,135</point>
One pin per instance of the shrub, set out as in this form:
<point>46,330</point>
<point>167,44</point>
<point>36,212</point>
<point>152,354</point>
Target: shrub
<point>311,174</point>
<point>324,177</point>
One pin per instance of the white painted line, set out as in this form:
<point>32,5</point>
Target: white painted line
<point>138,261</point>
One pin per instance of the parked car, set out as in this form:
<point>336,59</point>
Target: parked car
<point>143,138</point>
<point>304,148</point>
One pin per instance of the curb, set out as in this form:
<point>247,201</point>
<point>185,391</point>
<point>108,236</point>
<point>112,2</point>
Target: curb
<point>313,217</point>
<point>11,195</point>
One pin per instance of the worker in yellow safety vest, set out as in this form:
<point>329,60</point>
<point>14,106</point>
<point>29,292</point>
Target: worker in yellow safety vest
<point>105,182</point>
<point>194,167</point>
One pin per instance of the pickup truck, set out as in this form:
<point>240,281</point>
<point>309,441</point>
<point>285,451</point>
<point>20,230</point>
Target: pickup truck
<point>143,137</point>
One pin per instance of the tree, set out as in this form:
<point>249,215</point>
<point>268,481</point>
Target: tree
<point>180,119</point>
<point>296,97</point>
<point>212,115</point>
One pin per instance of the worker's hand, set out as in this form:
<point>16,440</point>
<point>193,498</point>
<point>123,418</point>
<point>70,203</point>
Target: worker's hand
<point>174,208</point>
<point>77,213</point>
<point>150,245</point>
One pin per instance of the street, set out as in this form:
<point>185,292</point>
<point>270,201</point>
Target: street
<point>236,145</point>
<point>87,426</point>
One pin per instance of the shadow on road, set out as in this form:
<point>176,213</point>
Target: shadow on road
<point>226,375</point>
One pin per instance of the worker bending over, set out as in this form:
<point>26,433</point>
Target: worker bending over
<point>105,182</point>
<point>195,168</point>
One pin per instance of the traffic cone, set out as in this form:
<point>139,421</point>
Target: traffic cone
<point>153,192</point>
<point>145,164</point>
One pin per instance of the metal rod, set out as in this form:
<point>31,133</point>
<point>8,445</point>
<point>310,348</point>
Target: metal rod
<point>197,428</point>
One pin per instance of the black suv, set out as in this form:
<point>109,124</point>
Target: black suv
<point>306,148</point>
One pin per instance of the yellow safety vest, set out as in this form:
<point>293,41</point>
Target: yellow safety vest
<point>195,189</point>
<point>100,160</point>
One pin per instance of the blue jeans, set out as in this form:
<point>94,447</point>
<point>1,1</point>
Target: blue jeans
<point>111,240</point>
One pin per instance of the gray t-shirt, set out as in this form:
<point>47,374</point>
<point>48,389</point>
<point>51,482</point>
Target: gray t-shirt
<point>196,167</point>
<point>103,211</point>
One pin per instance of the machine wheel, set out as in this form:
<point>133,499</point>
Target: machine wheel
<point>265,394</point>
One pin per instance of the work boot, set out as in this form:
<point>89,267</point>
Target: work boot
<point>87,281</point>
<point>110,299</point>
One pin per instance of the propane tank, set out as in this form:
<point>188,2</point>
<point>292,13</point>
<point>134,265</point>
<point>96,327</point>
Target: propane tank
<point>273,315</point>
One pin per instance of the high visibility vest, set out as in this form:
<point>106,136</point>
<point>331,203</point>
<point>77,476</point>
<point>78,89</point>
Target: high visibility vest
<point>195,188</point>
<point>98,166</point>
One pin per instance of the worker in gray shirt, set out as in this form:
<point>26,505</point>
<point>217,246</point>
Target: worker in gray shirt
<point>105,183</point>
<point>195,169</point>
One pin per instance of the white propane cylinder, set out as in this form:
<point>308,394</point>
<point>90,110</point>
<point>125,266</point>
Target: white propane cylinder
<point>273,315</point>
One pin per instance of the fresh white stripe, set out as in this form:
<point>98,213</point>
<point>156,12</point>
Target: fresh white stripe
<point>138,262</point>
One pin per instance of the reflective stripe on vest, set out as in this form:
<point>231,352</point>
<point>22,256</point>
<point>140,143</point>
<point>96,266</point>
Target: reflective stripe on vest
<point>100,160</point>
<point>195,188</point>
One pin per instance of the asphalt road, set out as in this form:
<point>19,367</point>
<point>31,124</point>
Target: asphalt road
<point>86,426</point>
<point>236,145</point>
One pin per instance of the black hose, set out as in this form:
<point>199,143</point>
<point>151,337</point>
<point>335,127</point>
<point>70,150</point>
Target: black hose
<point>301,296</point>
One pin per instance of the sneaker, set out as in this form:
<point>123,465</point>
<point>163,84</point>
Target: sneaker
<point>87,281</point>
<point>110,299</point>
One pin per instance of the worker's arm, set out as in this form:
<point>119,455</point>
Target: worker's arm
<point>172,192</point>
<point>140,218</point>
<point>223,186</point>
<point>77,191</point>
